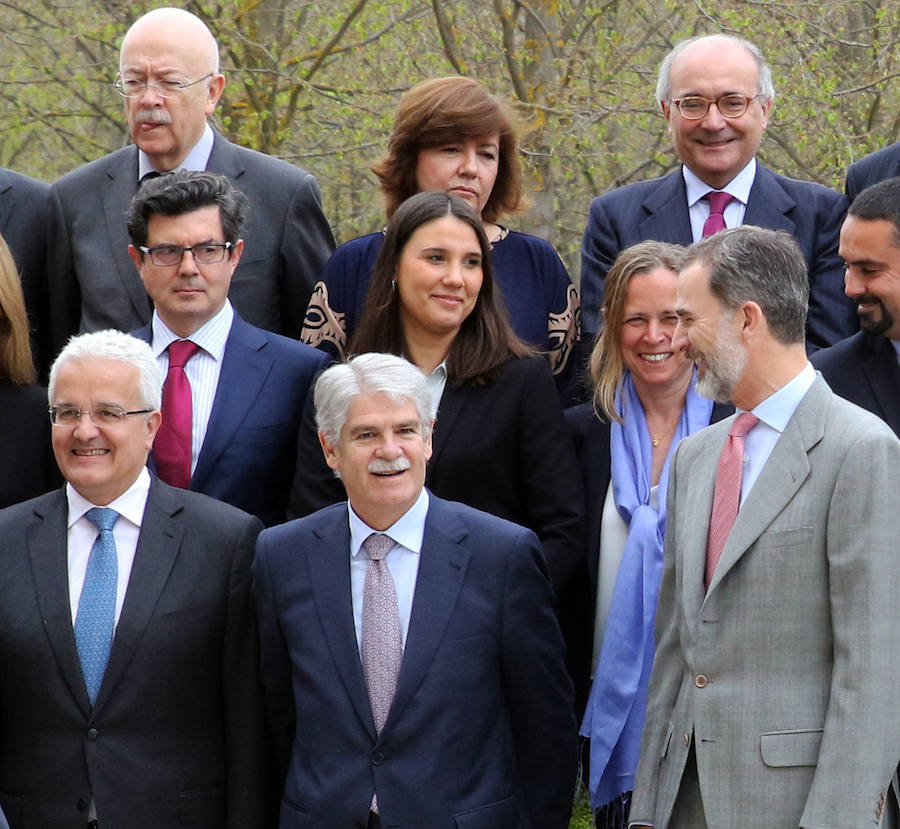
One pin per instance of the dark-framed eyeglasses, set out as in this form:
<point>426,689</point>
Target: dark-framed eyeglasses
<point>100,415</point>
<point>165,88</point>
<point>695,107</point>
<point>206,253</point>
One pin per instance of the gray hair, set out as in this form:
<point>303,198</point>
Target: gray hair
<point>755,264</point>
<point>387,374</point>
<point>764,86</point>
<point>181,21</point>
<point>114,345</point>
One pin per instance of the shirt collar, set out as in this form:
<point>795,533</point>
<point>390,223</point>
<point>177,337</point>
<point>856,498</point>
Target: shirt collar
<point>778,408</point>
<point>896,345</point>
<point>408,530</point>
<point>739,186</point>
<point>196,159</point>
<point>211,336</point>
<point>130,504</point>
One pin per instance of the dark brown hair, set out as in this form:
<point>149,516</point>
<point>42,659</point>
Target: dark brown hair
<point>485,340</point>
<point>445,110</point>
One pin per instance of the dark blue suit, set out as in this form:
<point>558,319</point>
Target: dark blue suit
<point>864,370</point>
<point>884,163</point>
<point>248,453</point>
<point>480,732</point>
<point>657,209</point>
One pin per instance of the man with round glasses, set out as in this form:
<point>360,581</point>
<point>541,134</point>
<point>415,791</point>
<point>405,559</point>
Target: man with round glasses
<point>716,94</point>
<point>170,83</point>
<point>234,394</point>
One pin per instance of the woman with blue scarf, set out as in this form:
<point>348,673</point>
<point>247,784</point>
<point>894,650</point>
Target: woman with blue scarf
<point>645,402</point>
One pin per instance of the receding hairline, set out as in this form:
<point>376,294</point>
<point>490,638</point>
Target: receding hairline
<point>173,26</point>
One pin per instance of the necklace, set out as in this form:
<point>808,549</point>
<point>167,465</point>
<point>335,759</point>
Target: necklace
<point>654,441</point>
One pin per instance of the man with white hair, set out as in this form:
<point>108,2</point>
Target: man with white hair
<point>413,668</point>
<point>170,80</point>
<point>716,95</point>
<point>130,694</point>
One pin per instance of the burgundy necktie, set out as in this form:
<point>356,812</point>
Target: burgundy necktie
<point>172,447</point>
<point>727,496</point>
<point>717,204</point>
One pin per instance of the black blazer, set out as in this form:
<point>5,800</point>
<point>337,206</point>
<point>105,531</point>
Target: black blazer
<point>501,448</point>
<point>873,168</point>
<point>864,370</point>
<point>578,607</point>
<point>177,734</point>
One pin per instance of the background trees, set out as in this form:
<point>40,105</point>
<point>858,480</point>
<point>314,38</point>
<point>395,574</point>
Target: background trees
<point>317,82</point>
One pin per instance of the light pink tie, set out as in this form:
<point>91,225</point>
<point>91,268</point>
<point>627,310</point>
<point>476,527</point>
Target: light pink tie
<point>727,496</point>
<point>717,204</point>
<point>172,446</point>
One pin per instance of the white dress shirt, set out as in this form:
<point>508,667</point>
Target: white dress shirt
<point>196,159</point>
<point>202,370</point>
<point>402,561</point>
<point>81,534</point>
<point>698,207</point>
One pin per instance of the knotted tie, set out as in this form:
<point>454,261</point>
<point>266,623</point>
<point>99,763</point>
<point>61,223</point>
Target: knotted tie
<point>727,495</point>
<point>94,622</point>
<point>717,204</point>
<point>172,447</point>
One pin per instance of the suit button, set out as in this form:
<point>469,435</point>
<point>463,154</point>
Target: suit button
<point>93,734</point>
<point>82,804</point>
<point>686,738</point>
<point>377,758</point>
<point>701,681</point>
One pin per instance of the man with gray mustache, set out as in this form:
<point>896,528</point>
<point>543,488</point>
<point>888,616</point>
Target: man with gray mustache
<point>413,668</point>
<point>169,79</point>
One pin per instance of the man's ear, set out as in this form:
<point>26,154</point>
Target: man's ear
<point>328,449</point>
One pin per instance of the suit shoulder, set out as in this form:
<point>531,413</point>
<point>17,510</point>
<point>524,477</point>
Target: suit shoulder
<point>292,352</point>
<point>803,190</point>
<point>73,183</point>
<point>874,162</point>
<point>481,525</point>
<point>317,523</point>
<point>850,424</point>
<point>841,357</point>
<point>23,513</point>
<point>33,186</point>
<point>279,169</point>
<point>213,515</point>
<point>628,194</point>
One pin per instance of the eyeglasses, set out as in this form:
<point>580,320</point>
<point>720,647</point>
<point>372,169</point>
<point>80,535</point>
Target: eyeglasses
<point>695,107</point>
<point>206,253</point>
<point>134,87</point>
<point>101,416</point>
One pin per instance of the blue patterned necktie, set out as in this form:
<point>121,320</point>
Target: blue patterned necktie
<point>94,622</point>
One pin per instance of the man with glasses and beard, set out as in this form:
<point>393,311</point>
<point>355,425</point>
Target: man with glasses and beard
<point>772,702</point>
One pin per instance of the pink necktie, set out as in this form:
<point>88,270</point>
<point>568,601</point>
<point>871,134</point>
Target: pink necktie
<point>717,204</point>
<point>727,496</point>
<point>172,447</point>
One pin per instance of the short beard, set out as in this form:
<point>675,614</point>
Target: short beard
<point>725,363</point>
<point>872,325</point>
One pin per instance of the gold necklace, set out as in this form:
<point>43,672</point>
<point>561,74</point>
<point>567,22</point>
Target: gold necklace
<point>654,441</point>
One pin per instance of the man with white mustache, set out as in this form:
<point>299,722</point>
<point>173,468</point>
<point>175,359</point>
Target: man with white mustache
<point>169,79</point>
<point>413,667</point>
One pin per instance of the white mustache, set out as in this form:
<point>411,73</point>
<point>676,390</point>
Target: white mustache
<point>382,466</point>
<point>154,116</point>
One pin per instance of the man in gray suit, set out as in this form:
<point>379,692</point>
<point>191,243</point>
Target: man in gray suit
<point>773,698</point>
<point>169,77</point>
<point>128,649</point>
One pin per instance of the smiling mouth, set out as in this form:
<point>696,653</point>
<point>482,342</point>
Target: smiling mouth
<point>87,453</point>
<point>657,358</point>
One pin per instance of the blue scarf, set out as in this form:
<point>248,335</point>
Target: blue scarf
<point>615,711</point>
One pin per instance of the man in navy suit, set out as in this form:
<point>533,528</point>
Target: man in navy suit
<point>170,80</point>
<point>716,93</point>
<point>247,386</point>
<point>440,698</point>
<point>864,368</point>
<point>875,167</point>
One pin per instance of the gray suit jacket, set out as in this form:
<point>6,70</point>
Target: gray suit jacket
<point>784,671</point>
<point>93,283</point>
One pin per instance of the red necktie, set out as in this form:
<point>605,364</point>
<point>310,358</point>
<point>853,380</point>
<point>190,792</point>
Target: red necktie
<point>727,496</point>
<point>172,447</point>
<point>717,204</point>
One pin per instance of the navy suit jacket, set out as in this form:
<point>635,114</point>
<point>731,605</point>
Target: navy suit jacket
<point>480,733</point>
<point>248,452</point>
<point>93,283</point>
<point>657,209</point>
<point>864,370</point>
<point>177,733</point>
<point>885,163</point>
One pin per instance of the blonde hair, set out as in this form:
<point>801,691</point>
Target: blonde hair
<point>606,364</point>
<point>15,348</point>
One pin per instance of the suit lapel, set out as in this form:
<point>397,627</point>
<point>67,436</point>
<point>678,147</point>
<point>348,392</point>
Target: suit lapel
<point>48,554</point>
<point>669,219</point>
<point>223,159</point>
<point>769,204</point>
<point>883,373</point>
<point>442,568</point>
<point>328,559</point>
<point>244,370</point>
<point>158,546</point>
<point>783,474</point>
<point>453,401</point>
<point>116,194</point>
